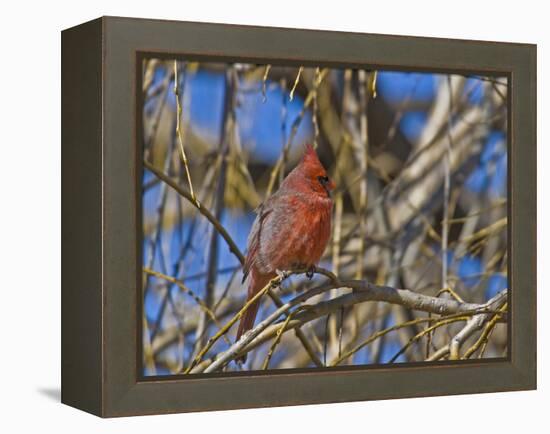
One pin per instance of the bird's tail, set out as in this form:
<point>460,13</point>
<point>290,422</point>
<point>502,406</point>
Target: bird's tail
<point>256,283</point>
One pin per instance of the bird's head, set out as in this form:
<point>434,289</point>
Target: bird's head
<point>314,172</point>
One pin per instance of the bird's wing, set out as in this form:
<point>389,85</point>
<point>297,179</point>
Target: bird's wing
<point>280,231</point>
<point>275,232</point>
<point>262,212</point>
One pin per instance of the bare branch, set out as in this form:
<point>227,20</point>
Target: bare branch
<point>363,291</point>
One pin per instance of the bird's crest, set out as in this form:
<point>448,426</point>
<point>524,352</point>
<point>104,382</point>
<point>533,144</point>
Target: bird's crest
<point>310,157</point>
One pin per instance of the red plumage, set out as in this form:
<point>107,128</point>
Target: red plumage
<point>291,229</point>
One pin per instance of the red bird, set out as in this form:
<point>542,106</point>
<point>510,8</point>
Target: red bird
<point>291,229</point>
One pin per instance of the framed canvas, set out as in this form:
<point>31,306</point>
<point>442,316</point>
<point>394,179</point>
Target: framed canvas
<point>262,217</point>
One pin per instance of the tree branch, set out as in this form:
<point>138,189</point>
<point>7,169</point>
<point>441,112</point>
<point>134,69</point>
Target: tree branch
<point>362,291</point>
<point>209,216</point>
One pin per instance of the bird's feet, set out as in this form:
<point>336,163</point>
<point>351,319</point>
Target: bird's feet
<point>310,272</point>
<point>282,275</point>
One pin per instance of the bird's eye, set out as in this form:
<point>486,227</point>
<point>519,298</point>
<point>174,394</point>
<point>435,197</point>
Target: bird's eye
<point>323,180</point>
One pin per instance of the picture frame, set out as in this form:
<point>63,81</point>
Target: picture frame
<point>101,169</point>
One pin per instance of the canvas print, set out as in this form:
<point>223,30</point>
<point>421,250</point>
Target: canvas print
<point>305,217</point>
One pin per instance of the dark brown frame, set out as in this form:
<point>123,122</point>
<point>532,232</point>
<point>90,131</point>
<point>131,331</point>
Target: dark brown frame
<point>101,166</point>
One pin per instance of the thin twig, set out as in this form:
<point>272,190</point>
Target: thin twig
<point>275,343</point>
<point>264,83</point>
<point>179,133</point>
<point>291,96</point>
<point>315,108</point>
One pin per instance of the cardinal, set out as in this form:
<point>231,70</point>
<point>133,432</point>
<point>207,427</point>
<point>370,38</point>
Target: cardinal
<point>291,229</point>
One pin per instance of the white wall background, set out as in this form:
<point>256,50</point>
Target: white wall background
<point>31,199</point>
